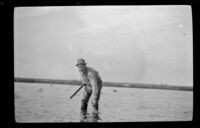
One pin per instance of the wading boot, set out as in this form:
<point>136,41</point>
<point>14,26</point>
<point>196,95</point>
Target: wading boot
<point>83,109</point>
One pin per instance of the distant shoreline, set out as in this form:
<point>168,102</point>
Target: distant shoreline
<point>106,84</point>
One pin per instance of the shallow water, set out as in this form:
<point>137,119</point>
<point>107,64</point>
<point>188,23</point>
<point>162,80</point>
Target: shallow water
<point>36,102</point>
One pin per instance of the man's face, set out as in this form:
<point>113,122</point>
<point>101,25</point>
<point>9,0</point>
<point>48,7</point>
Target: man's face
<point>81,67</point>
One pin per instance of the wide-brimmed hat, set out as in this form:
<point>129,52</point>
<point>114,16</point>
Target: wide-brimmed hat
<point>80,61</point>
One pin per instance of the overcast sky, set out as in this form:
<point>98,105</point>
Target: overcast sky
<point>145,44</point>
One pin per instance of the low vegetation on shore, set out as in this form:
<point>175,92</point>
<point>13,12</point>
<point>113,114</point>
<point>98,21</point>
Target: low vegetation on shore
<point>108,84</point>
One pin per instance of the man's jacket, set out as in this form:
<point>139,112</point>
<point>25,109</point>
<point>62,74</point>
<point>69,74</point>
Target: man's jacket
<point>92,80</point>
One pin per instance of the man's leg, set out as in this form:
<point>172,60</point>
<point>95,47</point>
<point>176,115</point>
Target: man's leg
<point>84,101</point>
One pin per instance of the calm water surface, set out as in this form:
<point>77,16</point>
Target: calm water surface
<point>50,103</point>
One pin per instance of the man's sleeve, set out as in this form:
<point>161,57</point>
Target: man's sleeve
<point>83,81</point>
<point>95,88</point>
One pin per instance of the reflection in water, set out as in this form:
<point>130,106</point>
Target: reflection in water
<point>90,118</point>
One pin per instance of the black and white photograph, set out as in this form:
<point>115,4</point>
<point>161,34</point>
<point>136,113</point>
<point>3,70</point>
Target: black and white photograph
<point>120,63</point>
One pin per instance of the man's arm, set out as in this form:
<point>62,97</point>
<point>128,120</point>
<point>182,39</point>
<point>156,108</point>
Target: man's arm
<point>82,79</point>
<point>95,88</point>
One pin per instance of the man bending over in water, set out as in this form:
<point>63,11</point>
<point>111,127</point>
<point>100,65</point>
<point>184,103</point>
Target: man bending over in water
<point>93,84</point>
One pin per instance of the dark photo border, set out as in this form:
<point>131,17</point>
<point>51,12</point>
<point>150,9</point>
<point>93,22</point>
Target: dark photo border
<point>8,117</point>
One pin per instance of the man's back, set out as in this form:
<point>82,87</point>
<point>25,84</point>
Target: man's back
<point>91,75</point>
